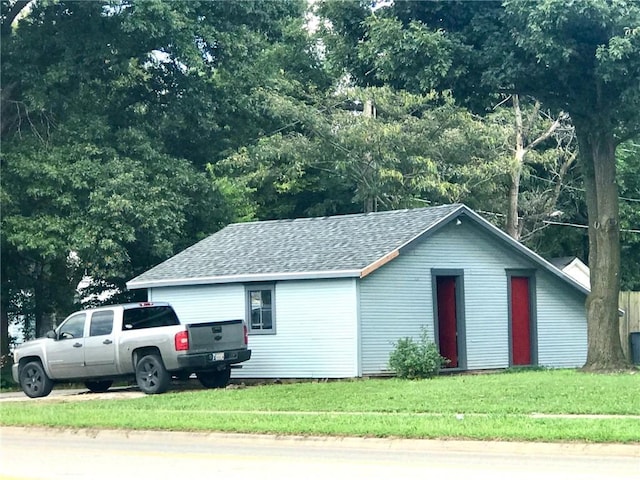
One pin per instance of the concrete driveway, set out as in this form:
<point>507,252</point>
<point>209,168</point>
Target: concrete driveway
<point>75,394</point>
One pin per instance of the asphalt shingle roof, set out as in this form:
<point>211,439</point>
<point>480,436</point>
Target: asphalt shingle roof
<point>246,251</point>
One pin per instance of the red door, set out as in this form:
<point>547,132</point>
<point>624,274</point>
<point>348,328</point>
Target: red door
<point>447,322</point>
<point>520,321</point>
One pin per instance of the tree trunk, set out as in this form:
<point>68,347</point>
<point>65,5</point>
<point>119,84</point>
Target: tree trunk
<point>515,171</point>
<point>512,226</point>
<point>4,328</point>
<point>42,301</point>
<point>368,205</point>
<point>369,111</point>
<point>4,305</point>
<point>597,152</point>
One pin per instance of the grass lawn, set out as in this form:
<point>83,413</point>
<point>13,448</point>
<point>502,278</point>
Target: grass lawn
<point>504,406</point>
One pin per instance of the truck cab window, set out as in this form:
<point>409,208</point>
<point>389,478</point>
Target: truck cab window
<point>101,323</point>
<point>72,327</point>
<point>149,317</point>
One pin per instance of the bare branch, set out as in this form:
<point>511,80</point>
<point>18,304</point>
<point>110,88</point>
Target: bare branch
<point>519,128</point>
<point>530,234</point>
<point>502,102</point>
<point>554,126</point>
<point>12,14</point>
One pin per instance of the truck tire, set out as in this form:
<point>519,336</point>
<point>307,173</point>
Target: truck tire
<point>151,376</point>
<point>98,386</point>
<point>34,380</point>
<point>214,378</point>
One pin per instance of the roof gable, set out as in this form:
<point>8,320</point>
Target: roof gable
<point>575,268</point>
<point>530,254</point>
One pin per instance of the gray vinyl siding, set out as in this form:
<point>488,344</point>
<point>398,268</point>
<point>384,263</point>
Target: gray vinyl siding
<point>396,300</point>
<point>316,325</point>
<point>339,328</point>
<point>562,325</point>
<point>316,333</point>
<point>203,303</point>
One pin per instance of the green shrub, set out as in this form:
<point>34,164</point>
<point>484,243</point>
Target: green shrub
<point>411,359</point>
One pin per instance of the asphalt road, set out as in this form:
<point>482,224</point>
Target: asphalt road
<point>37,453</point>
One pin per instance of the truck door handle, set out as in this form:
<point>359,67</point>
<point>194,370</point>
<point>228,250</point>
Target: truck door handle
<point>77,345</point>
<point>107,342</point>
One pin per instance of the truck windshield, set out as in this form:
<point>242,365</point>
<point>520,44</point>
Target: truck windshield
<point>149,317</point>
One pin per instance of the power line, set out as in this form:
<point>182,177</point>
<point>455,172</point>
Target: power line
<point>563,224</point>
<point>577,225</point>
<point>570,187</point>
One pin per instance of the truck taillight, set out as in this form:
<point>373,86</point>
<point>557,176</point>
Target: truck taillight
<point>182,341</point>
<point>246,334</point>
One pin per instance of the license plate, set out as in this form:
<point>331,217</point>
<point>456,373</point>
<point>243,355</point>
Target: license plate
<point>218,356</point>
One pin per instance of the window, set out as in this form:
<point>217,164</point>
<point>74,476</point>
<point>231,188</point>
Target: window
<point>101,323</point>
<point>149,317</point>
<point>260,308</point>
<point>72,327</point>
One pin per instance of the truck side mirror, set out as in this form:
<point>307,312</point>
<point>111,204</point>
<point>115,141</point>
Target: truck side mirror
<point>51,334</point>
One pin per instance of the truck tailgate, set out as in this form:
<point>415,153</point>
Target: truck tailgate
<point>216,336</point>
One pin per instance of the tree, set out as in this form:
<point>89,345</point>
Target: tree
<point>590,54</point>
<point>110,113</point>
<point>579,57</point>
<point>64,186</point>
<point>413,45</point>
<point>373,48</point>
<point>342,158</point>
<point>535,153</point>
<point>628,159</point>
<point>524,146</point>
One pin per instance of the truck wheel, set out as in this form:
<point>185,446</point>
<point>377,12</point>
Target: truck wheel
<point>34,381</point>
<point>215,379</point>
<point>151,375</point>
<point>98,386</point>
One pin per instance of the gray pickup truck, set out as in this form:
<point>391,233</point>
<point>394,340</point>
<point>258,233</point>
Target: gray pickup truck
<point>141,340</point>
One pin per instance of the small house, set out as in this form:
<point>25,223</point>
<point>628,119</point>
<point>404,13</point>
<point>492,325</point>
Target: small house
<point>328,297</point>
<point>575,268</point>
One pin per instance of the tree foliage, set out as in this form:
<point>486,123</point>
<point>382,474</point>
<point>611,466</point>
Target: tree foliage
<point>110,113</point>
<point>360,150</point>
<point>628,159</point>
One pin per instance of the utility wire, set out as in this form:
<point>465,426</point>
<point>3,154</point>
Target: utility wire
<point>563,224</point>
<point>569,187</point>
<point>577,225</point>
